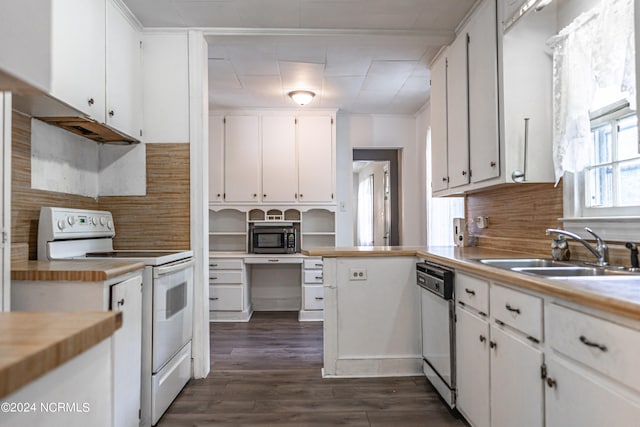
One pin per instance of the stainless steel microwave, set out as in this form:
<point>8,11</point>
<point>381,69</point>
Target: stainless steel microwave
<point>273,240</point>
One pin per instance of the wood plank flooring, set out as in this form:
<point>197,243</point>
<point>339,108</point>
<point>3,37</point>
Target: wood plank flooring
<point>267,373</point>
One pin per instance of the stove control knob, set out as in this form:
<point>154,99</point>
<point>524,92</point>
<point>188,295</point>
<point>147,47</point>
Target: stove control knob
<point>103,220</point>
<point>94,221</point>
<point>61,224</point>
<point>110,225</point>
<point>71,220</point>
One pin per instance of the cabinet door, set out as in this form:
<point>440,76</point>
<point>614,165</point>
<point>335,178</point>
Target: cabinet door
<point>315,159</point>
<point>577,397</point>
<point>516,386</point>
<point>216,159</point>
<point>439,175</point>
<point>472,367</point>
<point>279,163</point>
<point>484,143</point>
<point>123,73</point>
<point>241,158</point>
<point>457,113</point>
<point>127,297</point>
<point>78,55</point>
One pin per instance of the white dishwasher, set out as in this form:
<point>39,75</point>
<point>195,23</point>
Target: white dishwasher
<point>438,328</point>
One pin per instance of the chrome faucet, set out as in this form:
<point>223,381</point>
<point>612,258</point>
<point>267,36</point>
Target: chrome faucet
<point>601,251</point>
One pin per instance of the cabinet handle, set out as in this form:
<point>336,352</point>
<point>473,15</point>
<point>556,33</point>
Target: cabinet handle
<point>295,196</point>
<point>214,278</point>
<point>112,113</point>
<point>319,277</point>
<point>213,265</point>
<point>214,299</point>
<point>274,260</point>
<point>318,265</point>
<point>588,343</point>
<point>470,291</point>
<point>90,101</point>
<point>492,164</point>
<point>255,195</point>
<point>511,309</point>
<point>464,173</point>
<point>319,298</point>
<point>444,179</point>
<point>483,338</point>
<point>493,344</point>
<point>120,302</point>
<point>551,383</point>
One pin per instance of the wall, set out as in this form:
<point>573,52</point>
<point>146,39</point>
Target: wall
<point>381,131</point>
<point>159,219</point>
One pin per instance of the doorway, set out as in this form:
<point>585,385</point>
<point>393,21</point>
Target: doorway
<point>375,197</point>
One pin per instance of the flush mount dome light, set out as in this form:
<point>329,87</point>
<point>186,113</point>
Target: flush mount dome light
<point>302,97</point>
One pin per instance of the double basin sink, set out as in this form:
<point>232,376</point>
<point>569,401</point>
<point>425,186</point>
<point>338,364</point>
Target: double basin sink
<point>553,269</point>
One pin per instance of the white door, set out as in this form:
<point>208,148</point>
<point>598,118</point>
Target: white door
<point>242,159</point>
<point>5,207</point>
<point>472,367</point>
<point>216,159</point>
<point>315,159</point>
<point>516,386</point>
<point>78,54</point>
<point>123,73</point>
<point>127,346</point>
<point>439,175</point>
<point>279,160</point>
<point>576,397</point>
<point>457,113</point>
<point>484,141</point>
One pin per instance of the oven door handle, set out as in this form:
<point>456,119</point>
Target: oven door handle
<point>172,268</point>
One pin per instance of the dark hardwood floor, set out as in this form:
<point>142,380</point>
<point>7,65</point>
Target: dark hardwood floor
<point>267,373</point>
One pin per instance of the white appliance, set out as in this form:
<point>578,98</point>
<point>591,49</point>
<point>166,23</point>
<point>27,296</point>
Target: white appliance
<point>438,328</point>
<point>167,297</point>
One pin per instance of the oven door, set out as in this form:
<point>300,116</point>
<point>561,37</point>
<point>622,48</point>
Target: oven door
<point>172,310</point>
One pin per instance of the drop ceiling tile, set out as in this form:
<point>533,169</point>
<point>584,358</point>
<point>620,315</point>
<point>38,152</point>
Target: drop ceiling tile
<point>301,75</point>
<point>313,51</point>
<point>348,60</point>
<point>256,59</point>
<point>222,75</point>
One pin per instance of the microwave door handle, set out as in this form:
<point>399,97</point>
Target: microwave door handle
<point>172,268</point>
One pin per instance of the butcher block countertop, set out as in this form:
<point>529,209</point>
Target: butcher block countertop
<point>34,343</point>
<point>607,294</point>
<point>73,270</point>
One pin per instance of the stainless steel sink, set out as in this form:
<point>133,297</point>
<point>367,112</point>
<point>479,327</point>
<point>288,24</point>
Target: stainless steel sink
<point>567,271</point>
<point>512,263</point>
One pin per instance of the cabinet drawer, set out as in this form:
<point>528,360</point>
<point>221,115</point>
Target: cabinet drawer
<point>518,310</point>
<point>225,264</point>
<point>310,264</point>
<point>472,292</point>
<point>313,276</point>
<point>225,276</point>
<point>313,297</point>
<point>226,298</point>
<point>602,345</point>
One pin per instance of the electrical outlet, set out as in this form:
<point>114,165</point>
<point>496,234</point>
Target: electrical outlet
<point>357,274</point>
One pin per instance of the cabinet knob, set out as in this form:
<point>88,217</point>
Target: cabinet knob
<point>111,113</point>
<point>218,195</point>
<point>214,299</point>
<point>91,101</point>
<point>301,195</point>
<point>295,196</point>
<point>483,338</point>
<point>255,195</point>
<point>551,383</point>
<point>464,173</point>
<point>493,344</point>
<point>264,195</point>
<point>444,179</point>
<point>120,302</point>
<point>492,164</point>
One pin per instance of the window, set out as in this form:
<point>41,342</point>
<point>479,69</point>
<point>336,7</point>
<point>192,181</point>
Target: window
<point>611,179</point>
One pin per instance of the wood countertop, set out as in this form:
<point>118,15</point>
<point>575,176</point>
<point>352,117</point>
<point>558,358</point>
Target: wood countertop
<point>73,270</point>
<point>604,293</point>
<point>34,343</point>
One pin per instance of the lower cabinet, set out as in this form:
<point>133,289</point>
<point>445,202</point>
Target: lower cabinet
<point>312,290</point>
<point>228,290</point>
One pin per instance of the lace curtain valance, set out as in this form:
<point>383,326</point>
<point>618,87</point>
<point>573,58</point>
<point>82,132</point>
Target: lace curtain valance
<point>595,54</point>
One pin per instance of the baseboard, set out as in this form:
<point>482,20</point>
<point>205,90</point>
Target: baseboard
<point>377,367</point>
<point>230,316</point>
<point>310,315</point>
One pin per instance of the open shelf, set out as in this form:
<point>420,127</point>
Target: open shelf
<point>227,220</point>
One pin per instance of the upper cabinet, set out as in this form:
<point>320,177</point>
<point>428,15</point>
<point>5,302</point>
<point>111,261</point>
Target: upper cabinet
<point>78,29</point>
<point>272,158</point>
<point>123,73</point>
<point>484,86</point>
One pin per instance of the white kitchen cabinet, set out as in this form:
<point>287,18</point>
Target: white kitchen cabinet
<point>439,170</point>
<point>165,87</point>
<point>242,158</point>
<point>312,289</point>
<point>228,290</point>
<point>316,171</point>
<point>123,72</point>
<point>517,397</point>
<point>484,138</point>
<point>279,159</point>
<point>457,112</point>
<point>78,55</point>
<point>472,367</point>
<point>216,158</point>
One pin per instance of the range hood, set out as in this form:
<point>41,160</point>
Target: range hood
<point>55,112</point>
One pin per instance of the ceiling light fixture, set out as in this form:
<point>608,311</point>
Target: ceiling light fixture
<point>302,97</point>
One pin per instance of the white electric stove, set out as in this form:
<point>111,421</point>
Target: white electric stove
<point>167,297</point>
